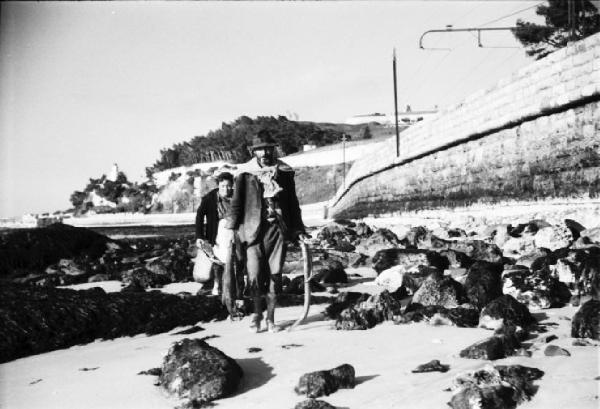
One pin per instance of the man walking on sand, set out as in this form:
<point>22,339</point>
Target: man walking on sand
<point>266,214</point>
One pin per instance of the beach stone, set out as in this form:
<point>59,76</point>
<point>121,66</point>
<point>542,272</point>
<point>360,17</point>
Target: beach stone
<point>324,383</point>
<point>497,234</point>
<point>431,366</point>
<point>553,237</point>
<point>495,347</point>
<point>296,286</point>
<point>586,321</point>
<point>460,316</point>
<point>145,278</point>
<point>592,234</point>
<point>330,271</point>
<point>439,289</point>
<point>475,249</point>
<point>575,227</point>
<point>415,236</point>
<point>198,372</point>
<point>566,271</point>
<point>504,311</point>
<point>313,404</point>
<point>370,312</point>
<point>381,239</point>
<point>98,278</point>
<point>537,290</point>
<point>516,247</point>
<point>457,259</point>
<point>409,258</point>
<point>344,300</point>
<point>494,387</point>
<point>483,283</point>
<point>555,350</point>
<point>363,230</point>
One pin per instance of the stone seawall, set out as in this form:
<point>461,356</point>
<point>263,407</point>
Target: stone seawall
<point>533,135</point>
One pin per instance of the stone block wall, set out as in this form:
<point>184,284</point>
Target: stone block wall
<point>533,135</point>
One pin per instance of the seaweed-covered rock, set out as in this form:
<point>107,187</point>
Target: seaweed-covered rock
<point>32,250</point>
<point>439,289</point>
<point>145,278</point>
<point>409,258</point>
<point>475,249</point>
<point>586,321</point>
<point>497,346</point>
<point>431,366</point>
<point>344,300</point>
<point>435,314</point>
<point>494,387</point>
<point>370,312</point>
<point>457,259</point>
<point>313,404</point>
<point>537,290</point>
<point>382,239</point>
<point>39,319</point>
<point>198,372</point>
<point>296,286</point>
<point>330,271</point>
<point>505,311</point>
<point>483,283</point>
<point>320,383</point>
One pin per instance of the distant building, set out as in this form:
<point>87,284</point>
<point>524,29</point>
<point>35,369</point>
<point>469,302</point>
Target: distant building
<point>407,117</point>
<point>114,173</point>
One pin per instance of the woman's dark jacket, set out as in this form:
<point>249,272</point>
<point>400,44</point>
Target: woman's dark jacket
<point>207,217</point>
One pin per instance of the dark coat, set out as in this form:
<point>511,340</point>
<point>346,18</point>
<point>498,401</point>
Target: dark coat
<point>247,214</point>
<point>207,217</point>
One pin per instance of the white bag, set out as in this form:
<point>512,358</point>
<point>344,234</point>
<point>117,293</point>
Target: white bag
<point>204,263</point>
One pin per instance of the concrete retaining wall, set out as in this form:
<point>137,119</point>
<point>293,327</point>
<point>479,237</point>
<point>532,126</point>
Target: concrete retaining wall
<point>533,135</point>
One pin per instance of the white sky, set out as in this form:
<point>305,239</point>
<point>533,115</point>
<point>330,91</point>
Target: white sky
<point>84,85</point>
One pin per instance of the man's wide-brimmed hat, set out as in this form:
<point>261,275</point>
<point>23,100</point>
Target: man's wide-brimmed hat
<point>263,139</point>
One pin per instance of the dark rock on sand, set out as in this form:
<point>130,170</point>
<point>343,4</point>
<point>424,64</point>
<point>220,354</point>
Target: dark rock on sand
<point>460,316</point>
<point>442,290</point>
<point>483,283</point>
<point>370,312</point>
<point>431,366</point>
<point>382,239</point>
<point>497,387</point>
<point>555,350</point>
<point>313,404</point>
<point>32,250</point>
<point>296,286</point>
<point>586,321</point>
<point>495,347</point>
<point>330,271</point>
<point>152,372</point>
<point>37,320</point>
<point>321,383</point>
<point>344,300</point>
<point>494,387</point>
<point>198,372</point>
<point>505,311</point>
<point>384,259</point>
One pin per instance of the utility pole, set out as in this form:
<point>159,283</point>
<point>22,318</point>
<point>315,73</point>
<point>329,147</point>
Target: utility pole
<point>396,106</point>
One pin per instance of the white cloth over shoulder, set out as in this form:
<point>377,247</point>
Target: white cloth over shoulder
<point>223,242</point>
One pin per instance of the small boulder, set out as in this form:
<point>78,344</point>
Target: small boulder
<point>495,347</point>
<point>313,404</point>
<point>198,372</point>
<point>586,321</point>
<point>505,311</point>
<point>553,237</point>
<point>409,258</point>
<point>330,271</point>
<point>320,383</point>
<point>380,240</point>
<point>436,315</point>
<point>555,350</point>
<point>483,283</point>
<point>494,387</point>
<point>431,366</point>
<point>442,290</point>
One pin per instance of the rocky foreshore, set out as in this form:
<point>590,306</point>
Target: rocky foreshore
<point>497,278</point>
